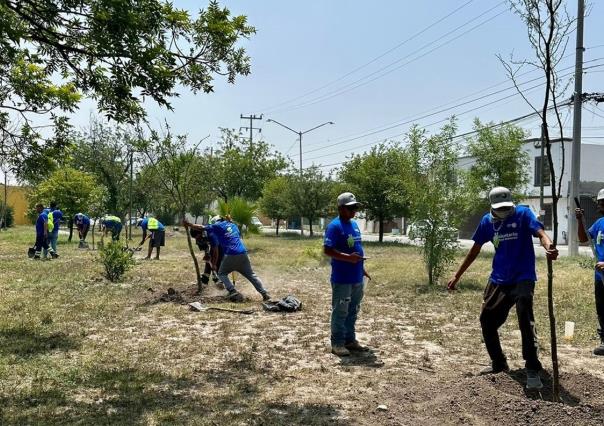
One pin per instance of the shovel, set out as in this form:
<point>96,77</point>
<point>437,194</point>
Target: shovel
<point>196,306</point>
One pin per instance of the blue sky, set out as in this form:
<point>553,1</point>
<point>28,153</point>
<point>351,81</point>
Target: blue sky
<point>301,46</point>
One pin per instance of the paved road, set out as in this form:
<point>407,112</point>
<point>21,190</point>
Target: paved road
<point>463,244</point>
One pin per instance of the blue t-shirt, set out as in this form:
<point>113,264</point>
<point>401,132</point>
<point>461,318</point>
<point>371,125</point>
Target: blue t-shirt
<point>597,235</point>
<point>344,237</point>
<point>514,259</point>
<point>81,220</point>
<point>57,215</point>
<point>228,237</point>
<point>42,219</point>
<point>145,223</point>
<point>112,224</point>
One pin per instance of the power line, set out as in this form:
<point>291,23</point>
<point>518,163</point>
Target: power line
<point>416,118</point>
<point>359,82</point>
<point>360,67</point>
<point>391,125</point>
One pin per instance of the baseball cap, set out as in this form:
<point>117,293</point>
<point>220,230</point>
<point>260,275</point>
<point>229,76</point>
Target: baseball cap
<point>215,219</point>
<point>347,199</point>
<point>600,195</point>
<point>500,197</point>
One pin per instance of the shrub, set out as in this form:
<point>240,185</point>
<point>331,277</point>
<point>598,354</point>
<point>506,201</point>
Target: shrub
<point>10,217</point>
<point>116,260</point>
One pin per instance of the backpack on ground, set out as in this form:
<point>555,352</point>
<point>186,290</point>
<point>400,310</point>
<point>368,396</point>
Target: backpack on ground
<point>287,304</point>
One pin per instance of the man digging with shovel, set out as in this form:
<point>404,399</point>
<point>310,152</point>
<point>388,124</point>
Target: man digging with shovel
<point>512,282</point>
<point>235,256</point>
<point>157,235</point>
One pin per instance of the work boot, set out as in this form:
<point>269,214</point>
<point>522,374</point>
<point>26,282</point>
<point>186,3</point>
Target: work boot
<point>340,351</point>
<point>235,296</point>
<point>533,381</point>
<point>36,257</point>
<point>54,254</point>
<point>266,297</point>
<point>205,279</point>
<point>356,347</point>
<point>600,349</point>
<point>499,367</point>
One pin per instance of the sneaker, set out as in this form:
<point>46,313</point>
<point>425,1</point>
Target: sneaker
<point>533,381</point>
<point>54,255</point>
<point>600,349</point>
<point>340,351</point>
<point>495,368</point>
<point>356,347</point>
<point>266,297</point>
<point>235,296</point>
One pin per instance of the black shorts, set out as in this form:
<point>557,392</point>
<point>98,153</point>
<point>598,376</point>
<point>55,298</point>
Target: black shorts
<point>158,238</point>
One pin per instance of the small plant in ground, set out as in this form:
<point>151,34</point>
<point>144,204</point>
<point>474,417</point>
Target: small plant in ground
<point>116,260</point>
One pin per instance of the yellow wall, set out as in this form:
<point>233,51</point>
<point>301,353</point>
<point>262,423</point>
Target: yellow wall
<point>18,201</point>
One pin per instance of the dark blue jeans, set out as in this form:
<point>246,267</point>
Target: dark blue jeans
<point>599,292</point>
<point>345,304</point>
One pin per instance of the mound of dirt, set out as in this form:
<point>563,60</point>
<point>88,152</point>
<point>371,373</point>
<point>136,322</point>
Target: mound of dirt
<point>172,295</point>
<point>485,400</point>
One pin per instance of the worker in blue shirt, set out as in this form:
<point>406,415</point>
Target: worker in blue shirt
<point>82,223</point>
<point>42,234</point>
<point>157,237</point>
<point>510,229</point>
<point>342,243</point>
<point>596,231</point>
<point>235,256</point>
<point>53,230</point>
<point>113,224</point>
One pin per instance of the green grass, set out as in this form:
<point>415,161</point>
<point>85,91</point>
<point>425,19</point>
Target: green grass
<point>75,348</point>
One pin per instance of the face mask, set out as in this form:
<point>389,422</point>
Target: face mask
<point>502,214</point>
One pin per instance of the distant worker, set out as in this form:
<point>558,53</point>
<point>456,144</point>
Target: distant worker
<point>157,235</point>
<point>511,229</point>
<point>55,215</point>
<point>113,224</point>
<point>235,256</point>
<point>42,234</point>
<point>82,222</point>
<point>597,235</point>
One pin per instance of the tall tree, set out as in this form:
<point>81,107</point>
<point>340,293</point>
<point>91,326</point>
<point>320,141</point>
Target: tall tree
<point>375,178</point>
<point>240,168</point>
<point>117,52</point>
<point>311,194</point>
<point>73,190</point>
<point>274,202</point>
<point>548,26</point>
<point>104,150</point>
<point>436,196</point>
<point>499,160</point>
<point>177,166</point>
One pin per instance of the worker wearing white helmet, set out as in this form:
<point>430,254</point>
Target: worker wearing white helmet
<point>596,232</point>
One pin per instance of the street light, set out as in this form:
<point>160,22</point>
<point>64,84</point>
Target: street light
<point>299,133</point>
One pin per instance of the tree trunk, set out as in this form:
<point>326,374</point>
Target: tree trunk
<point>93,226</point>
<point>381,231</point>
<point>277,232</point>
<point>310,226</point>
<point>195,262</point>
<point>70,225</point>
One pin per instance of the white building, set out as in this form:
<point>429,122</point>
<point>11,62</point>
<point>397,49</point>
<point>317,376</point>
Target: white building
<point>592,179</point>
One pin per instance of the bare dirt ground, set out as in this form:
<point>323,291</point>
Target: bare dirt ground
<point>122,354</point>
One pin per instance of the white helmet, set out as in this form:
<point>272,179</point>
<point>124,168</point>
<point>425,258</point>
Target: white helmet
<point>600,195</point>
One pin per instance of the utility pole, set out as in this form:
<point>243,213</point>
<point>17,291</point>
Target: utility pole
<point>251,127</point>
<point>300,133</point>
<point>130,190</point>
<point>575,162</point>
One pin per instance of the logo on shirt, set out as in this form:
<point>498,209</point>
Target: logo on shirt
<point>599,238</point>
<point>350,241</point>
<point>513,225</point>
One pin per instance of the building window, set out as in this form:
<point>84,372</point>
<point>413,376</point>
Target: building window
<point>547,218</point>
<point>546,173</point>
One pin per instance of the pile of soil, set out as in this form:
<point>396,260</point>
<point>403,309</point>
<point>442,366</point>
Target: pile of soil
<point>173,296</point>
<point>496,398</point>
